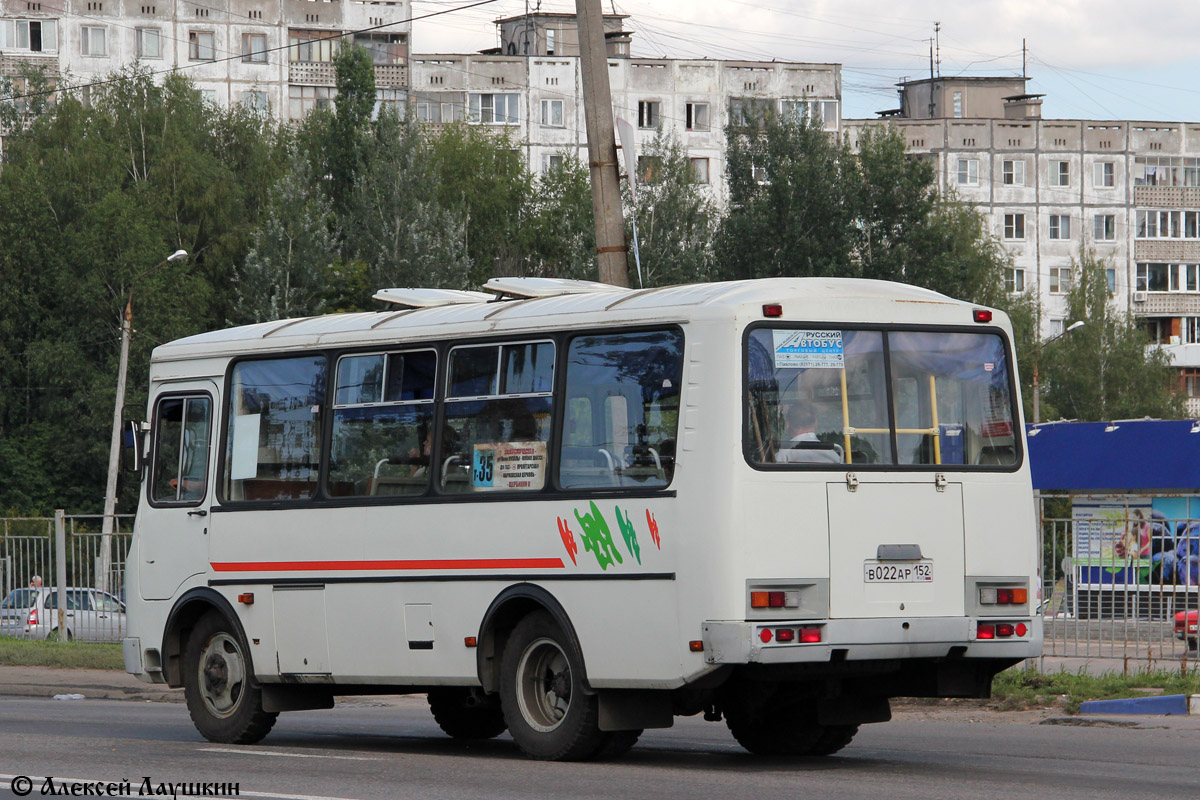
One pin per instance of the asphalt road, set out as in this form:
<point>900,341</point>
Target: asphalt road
<point>368,750</point>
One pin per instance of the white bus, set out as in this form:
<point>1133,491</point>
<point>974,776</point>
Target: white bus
<point>572,512</point>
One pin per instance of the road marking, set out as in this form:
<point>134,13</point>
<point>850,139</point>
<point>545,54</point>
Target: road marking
<point>244,752</point>
<point>6,783</point>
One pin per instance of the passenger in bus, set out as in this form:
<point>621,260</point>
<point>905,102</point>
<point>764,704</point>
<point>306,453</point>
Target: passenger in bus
<point>802,445</point>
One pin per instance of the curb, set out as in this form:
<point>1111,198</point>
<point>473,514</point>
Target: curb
<point>1166,705</point>
<point>46,692</point>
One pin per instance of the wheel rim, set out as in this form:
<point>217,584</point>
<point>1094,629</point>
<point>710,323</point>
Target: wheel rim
<point>544,685</point>
<point>222,675</point>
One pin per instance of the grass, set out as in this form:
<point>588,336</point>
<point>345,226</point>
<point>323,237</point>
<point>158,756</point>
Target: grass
<point>1017,689</point>
<point>61,655</point>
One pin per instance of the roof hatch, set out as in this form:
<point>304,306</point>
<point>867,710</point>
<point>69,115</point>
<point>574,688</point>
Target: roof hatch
<point>546,287</point>
<point>430,298</point>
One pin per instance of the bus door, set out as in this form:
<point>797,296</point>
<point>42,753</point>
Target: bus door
<point>173,523</point>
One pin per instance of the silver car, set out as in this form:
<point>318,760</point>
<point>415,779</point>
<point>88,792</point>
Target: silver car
<point>90,615</point>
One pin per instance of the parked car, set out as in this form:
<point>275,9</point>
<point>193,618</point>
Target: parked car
<point>1185,627</point>
<point>90,615</point>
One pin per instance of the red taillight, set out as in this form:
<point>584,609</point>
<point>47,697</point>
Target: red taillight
<point>985,632</point>
<point>1005,629</point>
<point>1021,629</point>
<point>810,635</point>
<point>775,599</point>
<point>982,315</point>
<point>772,310</point>
<point>785,635</point>
<point>1004,596</point>
<point>765,635</point>
<point>33,618</point>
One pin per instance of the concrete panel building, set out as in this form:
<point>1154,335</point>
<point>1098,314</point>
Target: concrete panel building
<point>1129,190</point>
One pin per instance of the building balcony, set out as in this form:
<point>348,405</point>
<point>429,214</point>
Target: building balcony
<point>323,74</point>
<point>1166,250</point>
<point>1166,304</point>
<point>12,63</point>
<point>1166,196</point>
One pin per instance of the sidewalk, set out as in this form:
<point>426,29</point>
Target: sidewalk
<point>104,684</point>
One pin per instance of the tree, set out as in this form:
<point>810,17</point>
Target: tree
<point>791,209</point>
<point>395,224</point>
<point>1105,369</point>
<point>674,218</point>
<point>560,234</point>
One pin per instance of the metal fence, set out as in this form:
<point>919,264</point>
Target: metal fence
<point>31,558</point>
<point>1114,580</point>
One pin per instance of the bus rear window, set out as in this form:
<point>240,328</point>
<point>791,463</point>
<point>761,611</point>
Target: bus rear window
<point>821,397</point>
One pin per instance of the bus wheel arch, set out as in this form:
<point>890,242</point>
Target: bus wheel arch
<point>502,617</point>
<point>187,611</point>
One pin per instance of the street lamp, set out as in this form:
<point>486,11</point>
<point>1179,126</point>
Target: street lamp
<point>114,452</point>
<point>1037,354</point>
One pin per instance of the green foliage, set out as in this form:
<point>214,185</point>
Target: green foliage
<point>559,228</point>
<point>1104,370</point>
<point>791,209</point>
<point>60,655</point>
<point>674,218</point>
<point>1020,688</point>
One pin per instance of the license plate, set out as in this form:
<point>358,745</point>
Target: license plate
<point>898,571</point>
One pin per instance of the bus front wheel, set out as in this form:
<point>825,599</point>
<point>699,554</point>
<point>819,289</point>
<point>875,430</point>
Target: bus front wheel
<point>541,693</point>
<point>223,699</point>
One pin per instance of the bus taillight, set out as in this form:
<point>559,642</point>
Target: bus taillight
<point>985,632</point>
<point>810,635</point>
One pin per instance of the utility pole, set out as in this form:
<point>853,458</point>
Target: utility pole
<point>602,145</point>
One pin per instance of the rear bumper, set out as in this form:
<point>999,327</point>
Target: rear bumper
<point>866,639</point>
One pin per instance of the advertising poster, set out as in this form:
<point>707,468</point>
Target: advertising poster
<point>808,350</point>
<point>1108,533</point>
<point>497,466</point>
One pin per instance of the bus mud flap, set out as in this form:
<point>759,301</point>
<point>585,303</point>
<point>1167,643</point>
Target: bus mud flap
<point>294,698</point>
<point>634,709</point>
<point>853,710</point>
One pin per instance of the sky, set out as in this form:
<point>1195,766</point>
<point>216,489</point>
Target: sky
<point>1093,59</point>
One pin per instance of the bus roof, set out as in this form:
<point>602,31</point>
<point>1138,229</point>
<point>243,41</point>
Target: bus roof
<point>815,299</point>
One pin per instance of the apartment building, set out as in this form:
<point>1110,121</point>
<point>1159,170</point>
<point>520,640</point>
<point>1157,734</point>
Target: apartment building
<point>267,54</point>
<point>1128,190</point>
<point>531,86</point>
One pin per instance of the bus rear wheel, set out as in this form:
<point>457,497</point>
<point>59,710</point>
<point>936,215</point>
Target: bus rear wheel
<point>223,698</point>
<point>466,713</point>
<point>541,692</point>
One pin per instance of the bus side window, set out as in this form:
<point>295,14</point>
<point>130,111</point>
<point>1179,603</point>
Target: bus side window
<point>182,433</point>
<point>632,381</point>
<point>498,412</point>
<point>273,450</point>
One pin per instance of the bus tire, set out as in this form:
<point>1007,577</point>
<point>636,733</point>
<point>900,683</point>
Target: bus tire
<point>466,713</point>
<point>834,738</point>
<point>617,744</point>
<point>541,692</point>
<point>774,734</point>
<point>223,698</point>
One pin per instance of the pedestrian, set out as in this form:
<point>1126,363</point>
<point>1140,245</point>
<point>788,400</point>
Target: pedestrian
<point>35,582</point>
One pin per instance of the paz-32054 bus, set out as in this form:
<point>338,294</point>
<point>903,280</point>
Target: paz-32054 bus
<point>572,512</point>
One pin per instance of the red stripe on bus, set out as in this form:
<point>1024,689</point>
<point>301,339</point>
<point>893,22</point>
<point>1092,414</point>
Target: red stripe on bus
<point>433,563</point>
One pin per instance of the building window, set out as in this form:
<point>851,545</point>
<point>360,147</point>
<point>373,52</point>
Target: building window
<point>697,117</point>
<point>93,40</point>
<point>492,109</point>
<point>149,43</point>
<point>699,170</point>
<point>385,48</point>
<point>1060,173</point>
<point>35,35</point>
<point>822,113</point>
<point>958,105</point>
<point>1014,226</point>
<point>552,113</point>
<point>254,48</point>
<point>1014,280</point>
<point>1191,378</point>
<point>1166,171</point>
<point>209,96</point>
<point>550,41</point>
<point>747,111</point>
<point>968,172</point>
<point>1014,173</point>
<point>1106,175</point>
<point>255,100</point>
<point>1060,280</point>
<point>1168,224</point>
<point>1105,228</point>
<point>312,47</point>
<point>649,113</point>
<point>648,168</point>
<point>552,161</point>
<point>434,109</point>
<point>1060,226</point>
<point>303,99</point>
<point>200,46</point>
<point>388,97</point>
<point>1153,277</point>
<point>1110,277</point>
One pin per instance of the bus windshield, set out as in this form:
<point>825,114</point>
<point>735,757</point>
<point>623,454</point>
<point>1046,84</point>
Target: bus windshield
<point>824,397</point>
